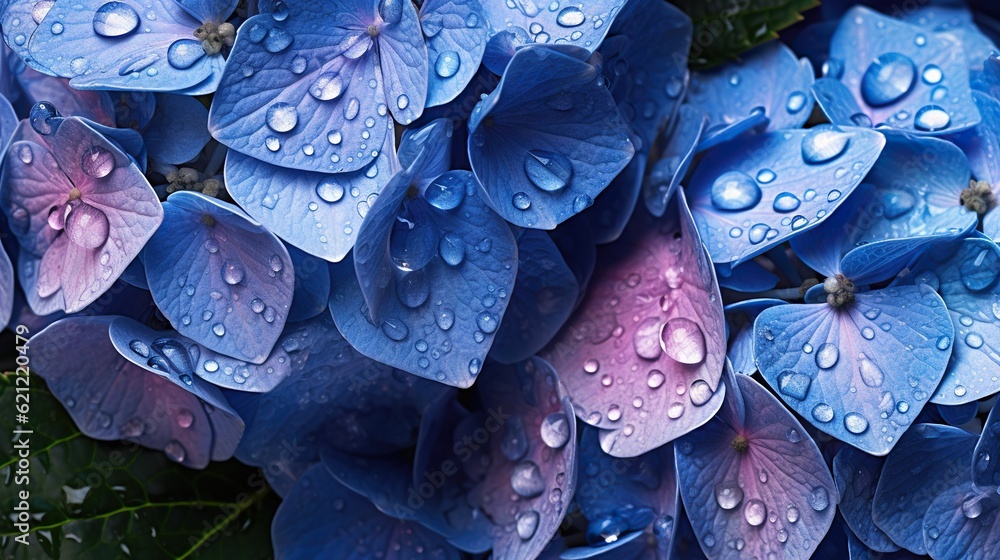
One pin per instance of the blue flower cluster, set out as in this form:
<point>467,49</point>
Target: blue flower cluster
<point>290,231</point>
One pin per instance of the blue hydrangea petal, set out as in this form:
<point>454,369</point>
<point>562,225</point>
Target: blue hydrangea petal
<point>8,122</point>
<point>221,279</point>
<point>167,353</point>
<point>177,132</point>
<point>731,497</point>
<point>891,346</point>
<point>300,206</point>
<point>28,267</point>
<point>545,294</point>
<point>667,172</point>
<point>6,289</point>
<point>769,77</point>
<point>646,65</point>
<point>436,320</point>
<point>94,105</point>
<point>110,399</point>
<point>901,75</point>
<point>857,475</point>
<point>957,21</point>
<point>19,20</point>
<point>330,117</point>
<point>527,489</point>
<point>69,44</point>
<point>962,523</point>
<point>964,274</point>
<point>780,183</point>
<point>652,314</point>
<point>899,510</point>
<point>981,144</point>
<point>548,139</point>
<point>456,40</point>
<point>985,473</point>
<point>613,208</point>
<point>334,396</point>
<point>749,277</point>
<point>209,11</point>
<point>958,414</point>
<point>583,24</point>
<point>740,318</point>
<point>402,56</point>
<point>641,496</point>
<point>635,545</point>
<point>838,104</point>
<point>320,518</point>
<point>312,286</point>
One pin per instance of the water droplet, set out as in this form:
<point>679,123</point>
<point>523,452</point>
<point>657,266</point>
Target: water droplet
<point>272,143</point>
<point>582,202</point>
<point>796,101</point>
<point>823,144</point>
<point>527,523</point>
<point>855,423</point>
<point>402,101</point>
<point>329,190</point>
<point>327,86</point>
<point>794,384</point>
<point>447,64</point>
<point>735,191</point>
<point>175,451</point>
<point>87,226</point>
<point>700,393</point>
<point>932,74</point>
<point>786,202</point>
<point>277,40</point>
<point>446,193</point>
<point>655,379</point>
<point>184,418</point>
<point>765,176</point>
<point>114,19</point>
<point>487,322</point>
<point>683,340</point>
<point>822,412</point>
<point>819,498</point>
<point>728,495</point>
<point>452,249</point>
<point>755,512</point>
<point>555,430</point>
<point>282,117</point>
<point>570,17</point>
<point>646,339</point>
<point>232,274</point>
<point>395,329</point>
<point>973,340</point>
<point>548,171</point>
<point>445,318</point>
<point>526,480</point>
<point>184,53</point>
<point>931,118</point>
<point>888,78</point>
<point>521,201</point>
<point>97,162</point>
<point>139,347</point>
<point>973,507</point>
<point>219,329</point>
<point>793,436</point>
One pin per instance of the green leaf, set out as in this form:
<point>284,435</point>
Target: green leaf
<point>724,29</point>
<point>93,499</point>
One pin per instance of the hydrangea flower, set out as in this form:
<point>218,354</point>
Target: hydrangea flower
<point>392,255</point>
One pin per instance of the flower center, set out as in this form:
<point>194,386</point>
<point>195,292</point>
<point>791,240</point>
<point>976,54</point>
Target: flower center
<point>839,290</point>
<point>740,443</point>
<point>215,37</point>
<point>373,30</point>
<point>977,197</point>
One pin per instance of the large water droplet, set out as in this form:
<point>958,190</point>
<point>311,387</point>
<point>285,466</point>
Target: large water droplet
<point>570,17</point>
<point>973,507</point>
<point>232,273</point>
<point>452,249</point>
<point>282,117</point>
<point>548,171</point>
<point>855,423</point>
<point>97,162</point>
<point>555,430</point>
<point>794,384</point>
<point>819,498</point>
<point>87,226</point>
<point>888,78</point>
<point>329,190</point>
<point>521,201</point>
<point>824,144</point>
<point>786,202</point>
<point>277,40</point>
<point>413,289</point>
<point>827,355</point>
<point>447,64</point>
<point>871,374</point>
<point>931,118</point>
<point>526,480</point>
<point>646,339</point>
<point>728,495</point>
<point>735,191</point>
<point>755,512</point>
<point>527,523</point>
<point>115,19</point>
<point>175,451</point>
<point>700,392</point>
<point>980,271</point>
<point>326,87</point>
<point>683,340</point>
<point>446,193</point>
<point>932,74</point>
<point>184,418</point>
<point>822,412</point>
<point>184,53</point>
